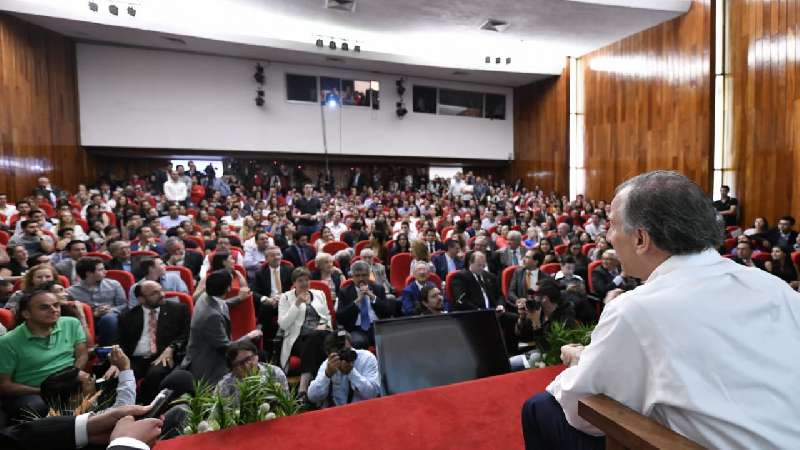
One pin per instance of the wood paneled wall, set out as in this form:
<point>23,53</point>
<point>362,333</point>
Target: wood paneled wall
<point>541,134</point>
<point>648,104</point>
<point>764,51</point>
<point>38,110</point>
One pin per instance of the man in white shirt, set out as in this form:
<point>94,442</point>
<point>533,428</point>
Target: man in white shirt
<point>594,227</point>
<point>336,226</point>
<point>174,189</point>
<point>706,347</point>
<point>255,255</point>
<point>172,219</point>
<point>7,209</point>
<point>347,376</point>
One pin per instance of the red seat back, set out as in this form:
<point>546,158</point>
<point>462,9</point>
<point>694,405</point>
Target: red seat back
<point>762,257</point>
<point>432,278</point>
<point>360,246</point>
<point>589,271</point>
<point>184,298</point>
<point>550,268</point>
<point>7,318</point>
<point>448,282</point>
<point>400,269</point>
<point>505,279</point>
<point>186,276</point>
<point>314,236</point>
<point>323,286</point>
<point>4,237</point>
<point>125,279</point>
<point>64,281</point>
<point>198,240</point>
<point>102,255</point>
<point>333,247</point>
<point>144,253</point>
<point>586,247</point>
<point>243,316</point>
<point>560,249</point>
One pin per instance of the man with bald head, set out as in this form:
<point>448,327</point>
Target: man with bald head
<point>154,334</point>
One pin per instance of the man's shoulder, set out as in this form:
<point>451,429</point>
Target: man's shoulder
<point>113,284</point>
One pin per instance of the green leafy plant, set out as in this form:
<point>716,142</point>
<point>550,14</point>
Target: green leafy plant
<point>559,335</point>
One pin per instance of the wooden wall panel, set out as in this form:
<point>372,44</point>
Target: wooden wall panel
<point>541,134</point>
<point>764,50</point>
<point>38,110</point>
<point>648,104</point>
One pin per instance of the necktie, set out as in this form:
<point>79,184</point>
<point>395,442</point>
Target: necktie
<point>302,255</point>
<point>514,260</point>
<point>151,329</point>
<point>365,319</point>
<point>277,277</point>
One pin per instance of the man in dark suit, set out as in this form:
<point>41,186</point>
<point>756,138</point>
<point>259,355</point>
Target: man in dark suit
<point>272,280</point>
<point>300,253</point>
<point>360,305</point>
<point>525,278</point>
<point>512,254</point>
<point>410,297</point>
<point>355,234</point>
<point>432,242</point>
<point>105,428</point>
<point>357,180</point>
<point>450,261</point>
<point>48,191</point>
<point>783,236</point>
<point>153,361</point>
<point>607,276</point>
<point>178,256</point>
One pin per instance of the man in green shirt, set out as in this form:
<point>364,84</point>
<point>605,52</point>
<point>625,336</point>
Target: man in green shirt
<point>41,346</point>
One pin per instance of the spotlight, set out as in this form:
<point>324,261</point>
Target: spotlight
<point>401,110</point>
<point>113,9</point>
<point>131,11</point>
<point>259,75</point>
<point>345,46</point>
<point>331,100</point>
<point>488,59</point>
<point>320,43</point>
<point>357,48</point>
<point>401,89</point>
<point>93,6</point>
<point>332,45</point>
<point>508,60</point>
<point>497,60</point>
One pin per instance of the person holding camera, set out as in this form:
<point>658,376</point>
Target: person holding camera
<point>542,307</point>
<point>347,376</point>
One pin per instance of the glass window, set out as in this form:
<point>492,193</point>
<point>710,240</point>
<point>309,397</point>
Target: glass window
<point>460,103</point>
<point>495,106</point>
<point>329,87</point>
<point>301,88</point>
<point>424,100</point>
<point>357,93</point>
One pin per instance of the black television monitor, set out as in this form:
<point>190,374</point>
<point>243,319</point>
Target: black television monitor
<point>426,351</point>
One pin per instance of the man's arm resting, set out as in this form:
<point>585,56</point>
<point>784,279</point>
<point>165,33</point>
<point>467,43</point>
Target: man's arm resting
<point>10,389</point>
<point>81,355</point>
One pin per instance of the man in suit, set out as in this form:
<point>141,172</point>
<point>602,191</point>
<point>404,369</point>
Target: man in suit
<point>47,190</point>
<point>272,280</point>
<point>360,305</point>
<point>210,331</point>
<point>178,256</point>
<point>75,250</point>
<point>410,297</point>
<point>114,427</point>
<point>783,236</point>
<point>357,180</point>
<point>607,276</point>
<point>432,242</point>
<point>355,235</point>
<point>154,333</point>
<point>300,253</point>
<point>449,261</point>
<point>120,256</point>
<point>512,254</point>
<point>525,277</point>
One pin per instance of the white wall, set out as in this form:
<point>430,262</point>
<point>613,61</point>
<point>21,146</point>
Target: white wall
<point>160,99</point>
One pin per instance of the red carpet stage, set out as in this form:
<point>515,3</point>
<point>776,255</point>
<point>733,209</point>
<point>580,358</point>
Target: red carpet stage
<point>479,414</point>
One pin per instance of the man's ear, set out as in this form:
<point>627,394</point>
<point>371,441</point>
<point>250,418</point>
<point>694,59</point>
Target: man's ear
<point>643,241</point>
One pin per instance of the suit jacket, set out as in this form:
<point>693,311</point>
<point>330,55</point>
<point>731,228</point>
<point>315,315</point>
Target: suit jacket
<point>352,237</point>
<point>172,329</point>
<point>410,298</point>
<point>66,267</point>
<point>466,291</point>
<point>773,236</point>
<point>504,258</point>
<point>335,276</point>
<point>263,284</point>
<point>348,311</point>
<point>517,288</point>
<point>437,246</point>
<point>603,281</point>
<point>46,194</point>
<point>116,264</point>
<point>50,433</point>
<point>209,337</point>
<point>292,253</point>
<point>440,264</point>
<point>360,183</point>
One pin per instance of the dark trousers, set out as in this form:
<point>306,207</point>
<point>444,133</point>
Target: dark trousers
<point>151,377</point>
<point>268,318</point>
<point>545,427</point>
<point>25,407</point>
<point>311,350</point>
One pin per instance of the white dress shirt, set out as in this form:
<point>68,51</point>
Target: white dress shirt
<point>364,380</point>
<point>707,347</point>
<point>337,230</point>
<point>175,191</point>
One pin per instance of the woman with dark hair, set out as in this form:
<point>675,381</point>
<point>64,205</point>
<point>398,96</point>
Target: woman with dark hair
<point>581,260</point>
<point>781,266</point>
<point>377,242</point>
<point>546,247</point>
<point>17,264</point>
<point>400,245</point>
<point>226,262</point>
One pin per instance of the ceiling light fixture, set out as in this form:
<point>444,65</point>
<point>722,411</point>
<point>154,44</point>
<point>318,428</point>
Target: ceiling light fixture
<point>341,5</point>
<point>345,46</point>
<point>357,48</point>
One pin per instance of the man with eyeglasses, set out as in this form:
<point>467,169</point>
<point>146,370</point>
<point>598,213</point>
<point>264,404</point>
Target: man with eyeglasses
<point>241,357</point>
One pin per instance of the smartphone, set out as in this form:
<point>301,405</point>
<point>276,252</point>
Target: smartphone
<point>103,352</point>
<point>160,404</point>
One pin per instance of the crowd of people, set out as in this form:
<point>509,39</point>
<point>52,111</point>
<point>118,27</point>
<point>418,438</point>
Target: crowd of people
<point>200,246</point>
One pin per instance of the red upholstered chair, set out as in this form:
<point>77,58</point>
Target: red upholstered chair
<point>447,283</point>
<point>505,279</point>
<point>443,235</point>
<point>186,276</point>
<point>47,208</point>
<point>589,270</point>
<point>112,218</point>
<point>731,229</point>
<point>64,281</point>
<point>323,286</point>
<point>82,222</point>
<point>102,255</point>
<point>360,245</point>
<point>314,236</point>
<point>346,284</point>
<point>4,237</point>
<point>196,250</point>
<point>432,278</point>
<point>243,317</point>
<point>7,318</point>
<point>13,221</point>
<point>729,244</point>
<point>586,247</point>
<point>550,268</point>
<point>241,270</point>
<point>184,298</point>
<point>727,255</point>
<point>284,262</point>
<point>399,269</point>
<point>762,257</point>
<point>562,218</point>
<point>333,247</point>
<point>144,253</point>
<point>198,240</point>
<point>125,279</point>
<point>796,258</point>
<point>3,218</point>
<point>560,249</point>
<point>87,312</point>
<point>311,265</point>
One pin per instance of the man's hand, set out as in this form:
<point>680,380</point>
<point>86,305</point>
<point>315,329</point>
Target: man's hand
<point>99,426</point>
<point>255,334</point>
<point>244,293</point>
<point>521,309</point>
<point>112,372</point>
<point>612,294</point>
<point>334,364</point>
<point>165,358</point>
<point>500,310</point>
<point>146,430</point>
<point>119,359</point>
<point>535,316</point>
<point>571,354</point>
<point>102,310</point>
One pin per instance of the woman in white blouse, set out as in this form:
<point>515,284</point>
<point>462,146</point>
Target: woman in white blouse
<point>305,320</point>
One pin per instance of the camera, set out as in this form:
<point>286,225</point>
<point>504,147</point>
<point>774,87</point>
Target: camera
<point>531,304</point>
<point>345,354</point>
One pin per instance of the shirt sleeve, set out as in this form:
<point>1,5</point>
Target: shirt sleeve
<point>319,387</point>
<point>126,389</point>
<point>81,433</point>
<point>127,443</point>
<point>77,332</point>
<point>120,300</point>
<point>366,381</point>
<point>614,364</point>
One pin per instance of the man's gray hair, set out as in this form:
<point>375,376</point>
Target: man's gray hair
<point>359,267</point>
<point>676,213</point>
<point>171,242</point>
<point>117,245</point>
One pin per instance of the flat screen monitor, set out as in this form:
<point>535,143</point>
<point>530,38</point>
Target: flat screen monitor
<point>426,351</point>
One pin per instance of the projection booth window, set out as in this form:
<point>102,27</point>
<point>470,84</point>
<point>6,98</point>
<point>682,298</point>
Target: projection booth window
<point>301,88</point>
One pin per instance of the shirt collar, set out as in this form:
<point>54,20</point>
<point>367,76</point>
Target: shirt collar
<point>28,335</point>
<point>675,262</point>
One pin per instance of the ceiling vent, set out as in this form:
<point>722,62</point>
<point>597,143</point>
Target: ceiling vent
<point>494,25</point>
<point>341,5</point>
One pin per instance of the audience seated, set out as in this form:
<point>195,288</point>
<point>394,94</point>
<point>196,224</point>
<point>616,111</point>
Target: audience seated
<point>526,277</point>
<point>539,310</point>
<point>451,260</point>
<point>272,280</point>
<point>411,297</point>
<point>346,376</point>
<point>608,276</point>
<point>73,251</point>
<point>105,296</point>
<point>178,256</point>
<point>299,252</point>
<point>154,269</point>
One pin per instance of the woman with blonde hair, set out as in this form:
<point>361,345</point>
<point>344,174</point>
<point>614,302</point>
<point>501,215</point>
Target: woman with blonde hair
<point>421,255</point>
<point>33,278</point>
<point>67,220</point>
